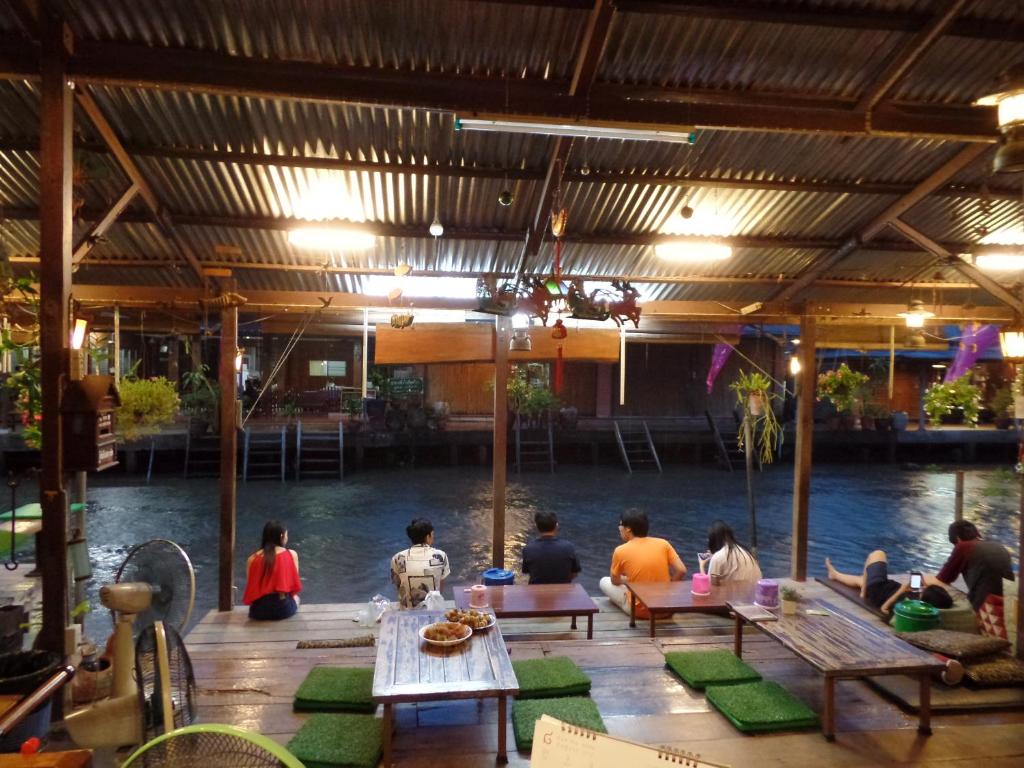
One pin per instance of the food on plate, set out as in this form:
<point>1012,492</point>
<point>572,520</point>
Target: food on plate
<point>446,631</point>
<point>470,618</point>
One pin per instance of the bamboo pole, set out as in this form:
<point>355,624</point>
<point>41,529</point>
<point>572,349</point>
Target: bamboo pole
<point>55,229</point>
<point>228,456</point>
<point>748,446</point>
<point>804,441</point>
<point>117,344</point>
<point>958,514</point>
<point>499,470</point>
<point>622,364</point>
<point>366,346</point>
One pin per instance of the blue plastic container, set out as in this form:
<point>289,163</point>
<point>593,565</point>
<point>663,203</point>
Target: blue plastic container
<point>497,577</point>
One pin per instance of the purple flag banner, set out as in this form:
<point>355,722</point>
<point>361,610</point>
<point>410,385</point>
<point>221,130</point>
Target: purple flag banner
<point>975,340</point>
<point>719,356</point>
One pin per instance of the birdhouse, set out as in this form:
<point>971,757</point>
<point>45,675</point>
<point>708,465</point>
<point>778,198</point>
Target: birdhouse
<point>89,424</point>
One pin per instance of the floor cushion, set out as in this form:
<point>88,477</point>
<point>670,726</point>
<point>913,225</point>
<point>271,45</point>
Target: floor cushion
<point>991,619</point>
<point>336,689</point>
<point>551,677</point>
<point>995,671</point>
<point>580,711</point>
<point>957,645</point>
<point>339,741</point>
<point>699,669</point>
<point>761,706</point>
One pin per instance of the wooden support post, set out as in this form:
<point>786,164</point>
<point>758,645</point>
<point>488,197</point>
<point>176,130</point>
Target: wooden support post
<point>172,359</point>
<point>56,118</point>
<point>228,455</point>
<point>366,347</point>
<point>1020,579</point>
<point>804,440</point>
<point>959,512</point>
<point>116,367</point>
<point>499,471</point>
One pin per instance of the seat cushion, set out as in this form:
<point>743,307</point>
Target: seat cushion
<point>580,711</point>
<point>699,669</point>
<point>551,677</point>
<point>336,689</point>
<point>958,645</point>
<point>339,741</point>
<point>761,706</point>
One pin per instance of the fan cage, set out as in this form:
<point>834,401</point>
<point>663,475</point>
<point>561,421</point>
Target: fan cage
<point>209,750</point>
<point>183,682</point>
<point>167,566</point>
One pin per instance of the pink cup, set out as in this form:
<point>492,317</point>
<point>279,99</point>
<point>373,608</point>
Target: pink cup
<point>478,596</point>
<point>701,584</point>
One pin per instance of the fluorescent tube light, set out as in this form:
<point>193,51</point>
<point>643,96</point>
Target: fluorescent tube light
<point>588,130</point>
<point>693,249</point>
<point>331,238</point>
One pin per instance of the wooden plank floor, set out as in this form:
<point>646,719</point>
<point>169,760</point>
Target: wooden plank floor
<point>247,674</point>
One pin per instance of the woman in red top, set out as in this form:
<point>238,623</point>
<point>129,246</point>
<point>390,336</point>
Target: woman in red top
<point>273,585</point>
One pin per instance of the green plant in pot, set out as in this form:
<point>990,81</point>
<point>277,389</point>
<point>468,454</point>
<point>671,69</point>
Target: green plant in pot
<point>790,600</point>
<point>146,406</point>
<point>953,399</point>
<point>842,387</point>
<point>754,396</point>
<point>200,399</point>
<point>1001,406</point>
<point>876,416</point>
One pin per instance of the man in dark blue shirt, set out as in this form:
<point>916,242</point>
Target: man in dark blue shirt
<point>548,559</point>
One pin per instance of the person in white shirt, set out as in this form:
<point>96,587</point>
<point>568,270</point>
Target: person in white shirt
<point>729,560</point>
<point>420,568</point>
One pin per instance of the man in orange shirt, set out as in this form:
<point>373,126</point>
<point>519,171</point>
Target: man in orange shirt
<point>640,558</point>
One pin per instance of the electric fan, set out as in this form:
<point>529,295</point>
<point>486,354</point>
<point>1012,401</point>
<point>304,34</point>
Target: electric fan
<point>212,746</point>
<point>155,583</point>
<point>167,687</point>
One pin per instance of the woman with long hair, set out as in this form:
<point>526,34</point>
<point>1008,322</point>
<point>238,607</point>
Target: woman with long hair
<point>273,585</point>
<point>730,561</point>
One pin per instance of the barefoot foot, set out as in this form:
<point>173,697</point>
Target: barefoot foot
<point>831,571</point>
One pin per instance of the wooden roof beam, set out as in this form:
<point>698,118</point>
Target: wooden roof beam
<point>128,165</point>
<point>595,37</point>
<point>907,55</point>
<point>759,11</point>
<point>825,186</point>
<point>971,272</point>
<point>385,229</point>
<point>938,177</point>
<point>100,227</point>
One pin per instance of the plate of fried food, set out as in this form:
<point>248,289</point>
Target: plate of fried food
<point>475,620</point>
<point>445,633</point>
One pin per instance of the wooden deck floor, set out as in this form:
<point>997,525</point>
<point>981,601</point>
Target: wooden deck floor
<point>247,674</point>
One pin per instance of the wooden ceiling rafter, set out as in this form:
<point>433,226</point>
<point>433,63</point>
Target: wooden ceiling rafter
<point>868,232</point>
<point>144,189</point>
<point>307,162</point>
<point>138,66</point>
<point>100,226</point>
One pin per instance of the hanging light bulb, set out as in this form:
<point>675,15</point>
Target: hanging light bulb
<point>916,314</point>
<point>794,365</point>
<point>520,341</point>
<point>436,227</point>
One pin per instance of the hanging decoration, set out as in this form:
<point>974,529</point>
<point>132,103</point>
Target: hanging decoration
<point>535,299</point>
<point>495,299</point>
<point>625,308</point>
<point>975,340</point>
<point>719,357</point>
<point>584,307</point>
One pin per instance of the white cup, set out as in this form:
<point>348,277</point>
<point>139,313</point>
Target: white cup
<point>478,596</point>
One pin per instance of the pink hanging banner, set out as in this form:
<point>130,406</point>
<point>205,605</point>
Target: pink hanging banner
<point>719,357</point>
<point>974,340</point>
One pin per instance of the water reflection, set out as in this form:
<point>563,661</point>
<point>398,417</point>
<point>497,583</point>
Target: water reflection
<point>347,531</point>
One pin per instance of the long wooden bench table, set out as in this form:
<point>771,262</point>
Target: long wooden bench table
<point>532,601</point>
<point>843,646</point>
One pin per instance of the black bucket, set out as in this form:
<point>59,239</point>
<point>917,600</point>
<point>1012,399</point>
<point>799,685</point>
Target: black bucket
<point>20,674</point>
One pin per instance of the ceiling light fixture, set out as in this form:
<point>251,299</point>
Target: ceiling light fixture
<point>1009,100</point>
<point>520,341</point>
<point>794,365</point>
<point>436,227</point>
<point>916,314</point>
<point>590,129</point>
<point>1011,342</point>
<point>693,249</point>
<point>78,332</point>
<point>1000,258</point>
<point>338,238</point>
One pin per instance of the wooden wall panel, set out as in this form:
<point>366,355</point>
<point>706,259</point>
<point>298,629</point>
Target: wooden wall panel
<point>580,387</point>
<point>464,386</point>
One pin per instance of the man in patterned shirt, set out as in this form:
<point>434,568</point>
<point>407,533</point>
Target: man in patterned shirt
<point>420,568</point>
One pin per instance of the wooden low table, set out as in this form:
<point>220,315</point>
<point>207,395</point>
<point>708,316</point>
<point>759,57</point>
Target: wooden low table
<point>525,601</point>
<point>409,670</point>
<point>843,646</point>
<point>677,597</point>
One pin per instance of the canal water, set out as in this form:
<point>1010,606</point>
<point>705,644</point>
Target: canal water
<point>345,532</point>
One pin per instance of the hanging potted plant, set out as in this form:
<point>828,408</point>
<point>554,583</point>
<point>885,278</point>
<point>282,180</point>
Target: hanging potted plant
<point>146,406</point>
<point>954,401</point>
<point>199,399</point>
<point>842,387</point>
<point>754,396</point>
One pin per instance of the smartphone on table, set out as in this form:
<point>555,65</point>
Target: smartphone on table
<point>916,581</point>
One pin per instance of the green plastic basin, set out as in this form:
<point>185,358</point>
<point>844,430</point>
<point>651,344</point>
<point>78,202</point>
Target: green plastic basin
<point>915,616</point>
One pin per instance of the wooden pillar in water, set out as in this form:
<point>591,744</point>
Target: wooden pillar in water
<point>804,441</point>
<point>228,455</point>
<point>55,162</point>
<point>958,513</point>
<point>499,471</point>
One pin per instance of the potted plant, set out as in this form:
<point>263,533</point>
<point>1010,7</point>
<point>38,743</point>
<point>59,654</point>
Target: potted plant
<point>1002,407</point>
<point>843,388</point>
<point>199,399</point>
<point>1017,390</point>
<point>876,416</point>
<point>958,399</point>
<point>754,396</point>
<point>353,410</point>
<point>146,405</point>
<point>790,600</point>
<point>538,404</point>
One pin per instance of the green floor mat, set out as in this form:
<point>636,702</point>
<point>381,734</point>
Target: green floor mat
<point>549,678</point>
<point>699,669</point>
<point>762,706</point>
<point>338,741</point>
<point>22,542</point>
<point>34,511</point>
<point>336,689</point>
<point>578,710</point>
